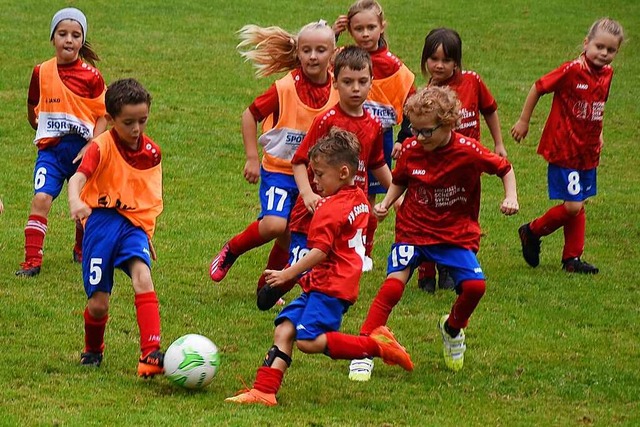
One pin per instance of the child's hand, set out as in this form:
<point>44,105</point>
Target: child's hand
<point>79,210</point>
<point>341,24</point>
<point>311,201</point>
<point>500,150</point>
<point>380,211</point>
<point>397,149</point>
<point>252,171</point>
<point>81,153</point>
<point>509,206</point>
<point>520,130</point>
<point>276,278</point>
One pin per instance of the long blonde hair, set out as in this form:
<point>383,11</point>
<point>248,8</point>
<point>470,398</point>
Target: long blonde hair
<point>273,50</point>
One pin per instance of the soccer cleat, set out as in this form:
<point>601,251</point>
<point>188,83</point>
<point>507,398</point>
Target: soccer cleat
<point>151,365</point>
<point>77,256</point>
<point>427,284</point>
<point>391,351</point>
<point>254,396</point>
<point>445,280</point>
<point>91,359</point>
<point>360,369</point>
<point>28,269</point>
<point>269,297</point>
<point>367,265</point>
<point>530,245</point>
<point>453,348</point>
<point>222,263</point>
<point>576,265</point>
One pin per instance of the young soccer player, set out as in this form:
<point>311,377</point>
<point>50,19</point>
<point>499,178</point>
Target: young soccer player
<point>286,109</point>
<point>392,85</point>
<point>336,242</point>
<point>66,108</point>
<point>352,78</point>
<point>439,170</point>
<point>442,63</point>
<point>571,142</point>
<point>118,191</point>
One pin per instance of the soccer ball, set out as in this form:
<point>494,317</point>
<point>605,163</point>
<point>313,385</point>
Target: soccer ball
<point>191,361</point>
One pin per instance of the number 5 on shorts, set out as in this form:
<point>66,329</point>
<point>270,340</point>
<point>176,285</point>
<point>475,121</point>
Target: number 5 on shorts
<point>95,271</point>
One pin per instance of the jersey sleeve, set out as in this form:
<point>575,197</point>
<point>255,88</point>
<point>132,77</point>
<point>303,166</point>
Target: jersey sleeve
<point>486,102</point>
<point>551,81</point>
<point>324,227</point>
<point>491,163</point>
<point>90,160</point>
<point>265,104</point>
<point>33,98</point>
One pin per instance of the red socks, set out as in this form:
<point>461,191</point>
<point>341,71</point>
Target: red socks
<point>148,316</point>
<point>34,234</point>
<point>574,231</point>
<point>278,259</point>
<point>268,380</point>
<point>250,238</point>
<point>94,333</point>
<point>553,219</point>
<point>79,236</point>
<point>467,301</point>
<point>343,346</point>
<point>388,296</point>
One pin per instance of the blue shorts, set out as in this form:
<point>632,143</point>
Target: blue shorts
<point>387,145</point>
<point>571,185</point>
<point>298,247</point>
<point>314,314</point>
<point>461,263</point>
<point>278,194</point>
<point>54,165</point>
<point>110,241</point>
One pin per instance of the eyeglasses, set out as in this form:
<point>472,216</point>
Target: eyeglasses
<point>425,133</point>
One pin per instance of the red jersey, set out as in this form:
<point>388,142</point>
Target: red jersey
<point>442,199</point>
<point>338,229</point>
<point>384,63</point>
<point>146,156</point>
<point>81,78</point>
<point>476,99</point>
<point>571,136</point>
<point>312,94</point>
<point>366,128</point>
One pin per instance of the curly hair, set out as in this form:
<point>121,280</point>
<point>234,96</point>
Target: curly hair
<point>338,147</point>
<point>441,100</point>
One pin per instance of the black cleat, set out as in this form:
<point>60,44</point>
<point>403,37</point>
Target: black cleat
<point>268,296</point>
<point>445,281</point>
<point>28,269</point>
<point>576,265</point>
<point>530,245</point>
<point>91,359</point>
<point>427,284</point>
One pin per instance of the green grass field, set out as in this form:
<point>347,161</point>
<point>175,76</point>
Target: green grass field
<point>544,348</point>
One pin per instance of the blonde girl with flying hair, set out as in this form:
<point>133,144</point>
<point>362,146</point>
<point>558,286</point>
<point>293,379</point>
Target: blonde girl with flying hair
<point>286,111</point>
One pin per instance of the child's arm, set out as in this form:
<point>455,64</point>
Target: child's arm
<point>280,277</point>
<point>250,140</point>
<point>383,175</point>
<point>78,209</point>
<point>31,116</point>
<point>521,128</point>
<point>309,198</point>
<point>100,127</point>
<point>493,123</point>
<point>382,209</point>
<point>341,24</point>
<point>1,206</point>
<point>510,203</point>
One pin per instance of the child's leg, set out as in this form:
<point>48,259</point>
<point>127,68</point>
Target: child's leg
<point>471,291</point>
<point>553,219</point>
<point>77,248</point>
<point>574,230</point>
<point>388,296</point>
<point>96,315</point>
<point>34,234</point>
<point>278,257</point>
<point>147,307</point>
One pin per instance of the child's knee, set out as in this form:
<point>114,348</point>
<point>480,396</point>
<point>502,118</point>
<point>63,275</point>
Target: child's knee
<point>309,347</point>
<point>272,227</point>
<point>573,208</point>
<point>98,305</point>
<point>474,288</point>
<point>141,277</point>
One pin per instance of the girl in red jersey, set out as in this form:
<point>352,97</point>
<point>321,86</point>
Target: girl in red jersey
<point>392,85</point>
<point>334,262</point>
<point>286,111</point>
<point>66,108</point>
<point>571,142</point>
<point>439,170</point>
<point>442,63</point>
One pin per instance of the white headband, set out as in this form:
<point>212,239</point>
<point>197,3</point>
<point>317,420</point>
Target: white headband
<point>73,14</point>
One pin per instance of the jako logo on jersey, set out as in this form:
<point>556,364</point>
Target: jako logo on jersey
<point>294,138</point>
<point>419,172</point>
<point>582,86</point>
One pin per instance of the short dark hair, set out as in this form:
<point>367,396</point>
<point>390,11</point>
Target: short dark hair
<point>125,92</point>
<point>353,57</point>
<point>451,46</point>
<point>338,147</point>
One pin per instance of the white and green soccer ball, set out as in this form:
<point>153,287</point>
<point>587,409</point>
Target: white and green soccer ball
<point>191,361</point>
